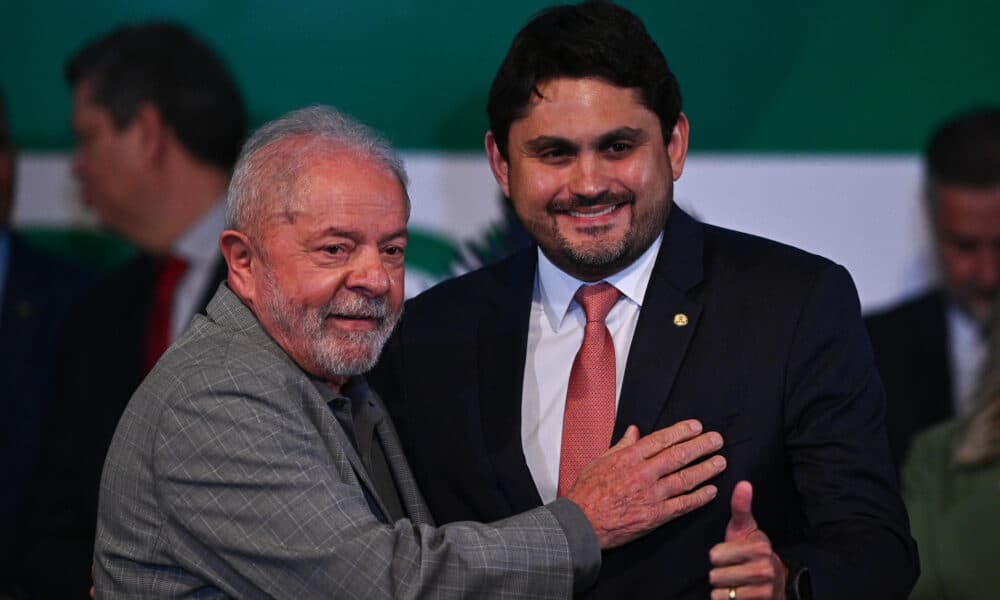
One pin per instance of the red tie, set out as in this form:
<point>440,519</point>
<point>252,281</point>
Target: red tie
<point>590,400</point>
<point>158,326</point>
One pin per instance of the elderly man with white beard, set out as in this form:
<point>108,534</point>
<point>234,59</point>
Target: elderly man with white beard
<point>254,461</point>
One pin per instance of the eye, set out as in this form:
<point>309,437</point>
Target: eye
<point>964,245</point>
<point>394,250</point>
<point>619,148</point>
<point>334,250</point>
<point>555,154</point>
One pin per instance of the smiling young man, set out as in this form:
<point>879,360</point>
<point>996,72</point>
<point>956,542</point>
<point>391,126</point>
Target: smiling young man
<point>630,312</point>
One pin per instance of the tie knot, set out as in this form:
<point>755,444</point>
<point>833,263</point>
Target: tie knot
<point>597,300</point>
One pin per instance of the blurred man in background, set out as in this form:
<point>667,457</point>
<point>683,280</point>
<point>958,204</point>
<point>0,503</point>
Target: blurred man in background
<point>159,122</point>
<point>929,350</point>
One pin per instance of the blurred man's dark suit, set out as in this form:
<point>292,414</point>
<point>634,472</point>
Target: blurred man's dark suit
<point>103,364</point>
<point>911,351</point>
<point>40,291</point>
<point>772,354</point>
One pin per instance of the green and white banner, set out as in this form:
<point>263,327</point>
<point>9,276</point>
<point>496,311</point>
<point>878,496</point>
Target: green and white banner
<point>861,211</point>
<point>807,117</point>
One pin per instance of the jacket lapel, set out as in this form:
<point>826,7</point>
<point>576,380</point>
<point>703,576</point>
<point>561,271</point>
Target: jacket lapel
<point>226,308</point>
<point>502,343</point>
<point>409,492</point>
<point>667,322</point>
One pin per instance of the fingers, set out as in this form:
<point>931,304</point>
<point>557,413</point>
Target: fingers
<point>630,438</point>
<point>668,436</point>
<point>641,483</point>
<point>755,547</point>
<point>741,523</point>
<point>744,592</point>
<point>686,479</point>
<point>682,504</point>
<point>749,565</point>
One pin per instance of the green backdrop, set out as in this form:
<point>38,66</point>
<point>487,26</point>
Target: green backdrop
<point>761,75</point>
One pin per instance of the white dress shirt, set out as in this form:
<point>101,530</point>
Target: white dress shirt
<point>199,246</point>
<point>966,352</point>
<point>555,333</point>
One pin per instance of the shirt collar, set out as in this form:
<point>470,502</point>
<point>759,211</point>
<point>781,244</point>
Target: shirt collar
<point>965,331</point>
<point>557,288</point>
<point>201,241</point>
<point>356,392</point>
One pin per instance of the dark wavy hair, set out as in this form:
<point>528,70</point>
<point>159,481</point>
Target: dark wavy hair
<point>965,150</point>
<point>594,39</point>
<point>166,65</point>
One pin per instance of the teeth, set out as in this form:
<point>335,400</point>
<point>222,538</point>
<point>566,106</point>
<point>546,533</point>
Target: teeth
<point>606,211</point>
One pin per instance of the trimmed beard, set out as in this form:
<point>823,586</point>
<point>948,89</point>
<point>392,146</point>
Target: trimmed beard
<point>336,353</point>
<point>597,258</point>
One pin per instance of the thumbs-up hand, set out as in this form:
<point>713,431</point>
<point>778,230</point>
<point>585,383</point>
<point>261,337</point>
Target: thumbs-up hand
<point>744,565</point>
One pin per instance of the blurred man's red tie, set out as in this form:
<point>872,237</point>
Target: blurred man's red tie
<point>158,327</point>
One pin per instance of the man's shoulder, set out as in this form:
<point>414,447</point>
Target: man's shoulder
<point>916,312</point>
<point>225,344</point>
<point>511,275</point>
<point>48,273</point>
<point>123,289</point>
<point>214,365</point>
<point>742,250</point>
<point>739,261</point>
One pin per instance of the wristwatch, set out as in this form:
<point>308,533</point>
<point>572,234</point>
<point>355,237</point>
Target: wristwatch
<point>798,586</point>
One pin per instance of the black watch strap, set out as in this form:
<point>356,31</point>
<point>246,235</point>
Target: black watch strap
<point>798,586</point>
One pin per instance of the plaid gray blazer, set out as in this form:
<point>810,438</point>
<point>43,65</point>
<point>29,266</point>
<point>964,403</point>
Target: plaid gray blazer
<point>229,476</point>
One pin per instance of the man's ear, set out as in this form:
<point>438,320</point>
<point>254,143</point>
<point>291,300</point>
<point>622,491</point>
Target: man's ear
<point>498,164</point>
<point>243,261</point>
<point>677,145</point>
<point>152,132</point>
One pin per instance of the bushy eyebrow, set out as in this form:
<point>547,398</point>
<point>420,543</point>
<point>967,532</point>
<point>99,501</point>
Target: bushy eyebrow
<point>623,133</point>
<point>354,235</point>
<point>548,142</point>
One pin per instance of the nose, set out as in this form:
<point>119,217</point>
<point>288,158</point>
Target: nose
<point>369,275</point>
<point>588,177</point>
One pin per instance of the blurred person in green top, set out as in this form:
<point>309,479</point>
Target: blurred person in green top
<point>951,484</point>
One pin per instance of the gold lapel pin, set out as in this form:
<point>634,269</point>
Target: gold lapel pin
<point>24,309</point>
<point>680,319</point>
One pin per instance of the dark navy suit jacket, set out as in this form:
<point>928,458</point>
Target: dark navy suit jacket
<point>103,364</point>
<point>774,356</point>
<point>39,293</point>
<point>911,350</point>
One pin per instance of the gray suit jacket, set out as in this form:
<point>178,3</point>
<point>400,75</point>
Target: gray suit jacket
<point>229,475</point>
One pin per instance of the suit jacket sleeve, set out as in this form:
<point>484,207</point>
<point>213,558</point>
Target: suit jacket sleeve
<point>254,505</point>
<point>856,539</point>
